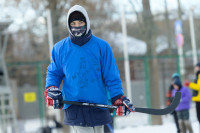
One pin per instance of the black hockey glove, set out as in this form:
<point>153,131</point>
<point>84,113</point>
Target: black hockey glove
<point>125,107</point>
<point>54,97</point>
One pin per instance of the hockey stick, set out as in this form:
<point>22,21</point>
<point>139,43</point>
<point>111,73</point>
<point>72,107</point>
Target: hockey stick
<point>164,111</point>
<point>150,111</point>
<point>91,104</point>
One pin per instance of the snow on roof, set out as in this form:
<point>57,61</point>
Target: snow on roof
<point>162,43</point>
<point>135,46</point>
<point>4,24</point>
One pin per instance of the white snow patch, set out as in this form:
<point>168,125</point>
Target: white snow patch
<point>134,123</point>
<point>30,15</point>
<point>2,2</point>
<point>167,128</point>
<point>139,123</point>
<point>35,125</point>
<point>22,14</point>
<point>134,46</point>
<point>162,43</point>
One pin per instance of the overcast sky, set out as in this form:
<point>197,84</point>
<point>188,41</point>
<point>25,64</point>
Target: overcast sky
<point>25,13</point>
<point>158,5</point>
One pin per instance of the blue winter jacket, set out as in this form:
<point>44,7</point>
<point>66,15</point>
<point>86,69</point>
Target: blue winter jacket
<point>87,67</point>
<point>86,71</point>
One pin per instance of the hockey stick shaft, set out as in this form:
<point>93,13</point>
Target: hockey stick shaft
<point>91,104</point>
<point>151,111</point>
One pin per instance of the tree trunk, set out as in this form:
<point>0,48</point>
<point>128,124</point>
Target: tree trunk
<point>169,38</point>
<point>55,15</point>
<point>150,38</point>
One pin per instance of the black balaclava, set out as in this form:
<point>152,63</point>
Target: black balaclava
<point>77,31</point>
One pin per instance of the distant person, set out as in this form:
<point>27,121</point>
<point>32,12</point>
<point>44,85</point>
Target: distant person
<point>196,90</point>
<point>87,67</point>
<point>170,98</point>
<point>183,107</point>
<point>1,73</point>
<point>1,76</point>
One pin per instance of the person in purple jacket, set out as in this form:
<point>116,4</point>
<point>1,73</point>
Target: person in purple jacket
<point>184,106</point>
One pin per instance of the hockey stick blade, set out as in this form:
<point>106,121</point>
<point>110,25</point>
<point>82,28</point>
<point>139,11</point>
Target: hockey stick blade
<point>150,111</point>
<point>164,111</point>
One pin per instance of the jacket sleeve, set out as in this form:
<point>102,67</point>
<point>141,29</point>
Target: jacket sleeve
<point>186,96</point>
<point>54,71</point>
<point>195,86</point>
<point>110,72</point>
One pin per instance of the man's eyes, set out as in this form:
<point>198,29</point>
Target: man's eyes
<point>77,23</point>
<point>72,24</point>
<point>82,22</point>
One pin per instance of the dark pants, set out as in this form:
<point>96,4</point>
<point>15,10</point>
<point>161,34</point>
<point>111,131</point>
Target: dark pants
<point>77,115</point>
<point>176,121</point>
<point>108,128</point>
<point>183,115</point>
<point>198,110</point>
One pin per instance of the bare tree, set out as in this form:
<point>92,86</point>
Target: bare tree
<point>150,38</point>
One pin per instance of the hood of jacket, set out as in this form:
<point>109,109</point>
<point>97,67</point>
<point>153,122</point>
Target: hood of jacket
<point>81,10</point>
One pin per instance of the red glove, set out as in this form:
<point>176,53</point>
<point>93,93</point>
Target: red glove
<point>49,100</point>
<point>125,106</point>
<point>186,83</point>
<point>53,97</point>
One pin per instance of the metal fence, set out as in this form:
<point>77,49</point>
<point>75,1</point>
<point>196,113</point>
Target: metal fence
<point>34,73</point>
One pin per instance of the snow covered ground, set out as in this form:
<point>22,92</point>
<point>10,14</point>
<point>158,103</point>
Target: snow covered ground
<point>32,126</point>
<point>166,128</point>
<point>139,123</point>
<point>134,123</point>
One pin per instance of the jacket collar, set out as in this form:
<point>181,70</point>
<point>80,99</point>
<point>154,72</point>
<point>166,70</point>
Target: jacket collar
<point>81,40</point>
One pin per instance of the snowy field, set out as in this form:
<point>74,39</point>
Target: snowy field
<point>139,123</point>
<point>166,128</point>
<point>32,126</point>
<point>134,123</point>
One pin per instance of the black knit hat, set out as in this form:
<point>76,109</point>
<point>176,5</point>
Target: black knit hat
<point>198,64</point>
<point>178,83</point>
<point>76,16</point>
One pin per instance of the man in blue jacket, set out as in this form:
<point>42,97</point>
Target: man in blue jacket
<point>87,67</point>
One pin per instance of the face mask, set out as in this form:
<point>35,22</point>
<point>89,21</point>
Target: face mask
<point>78,31</point>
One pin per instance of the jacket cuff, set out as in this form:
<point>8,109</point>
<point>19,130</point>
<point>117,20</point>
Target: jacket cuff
<point>115,98</point>
<point>45,91</point>
<point>50,87</point>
